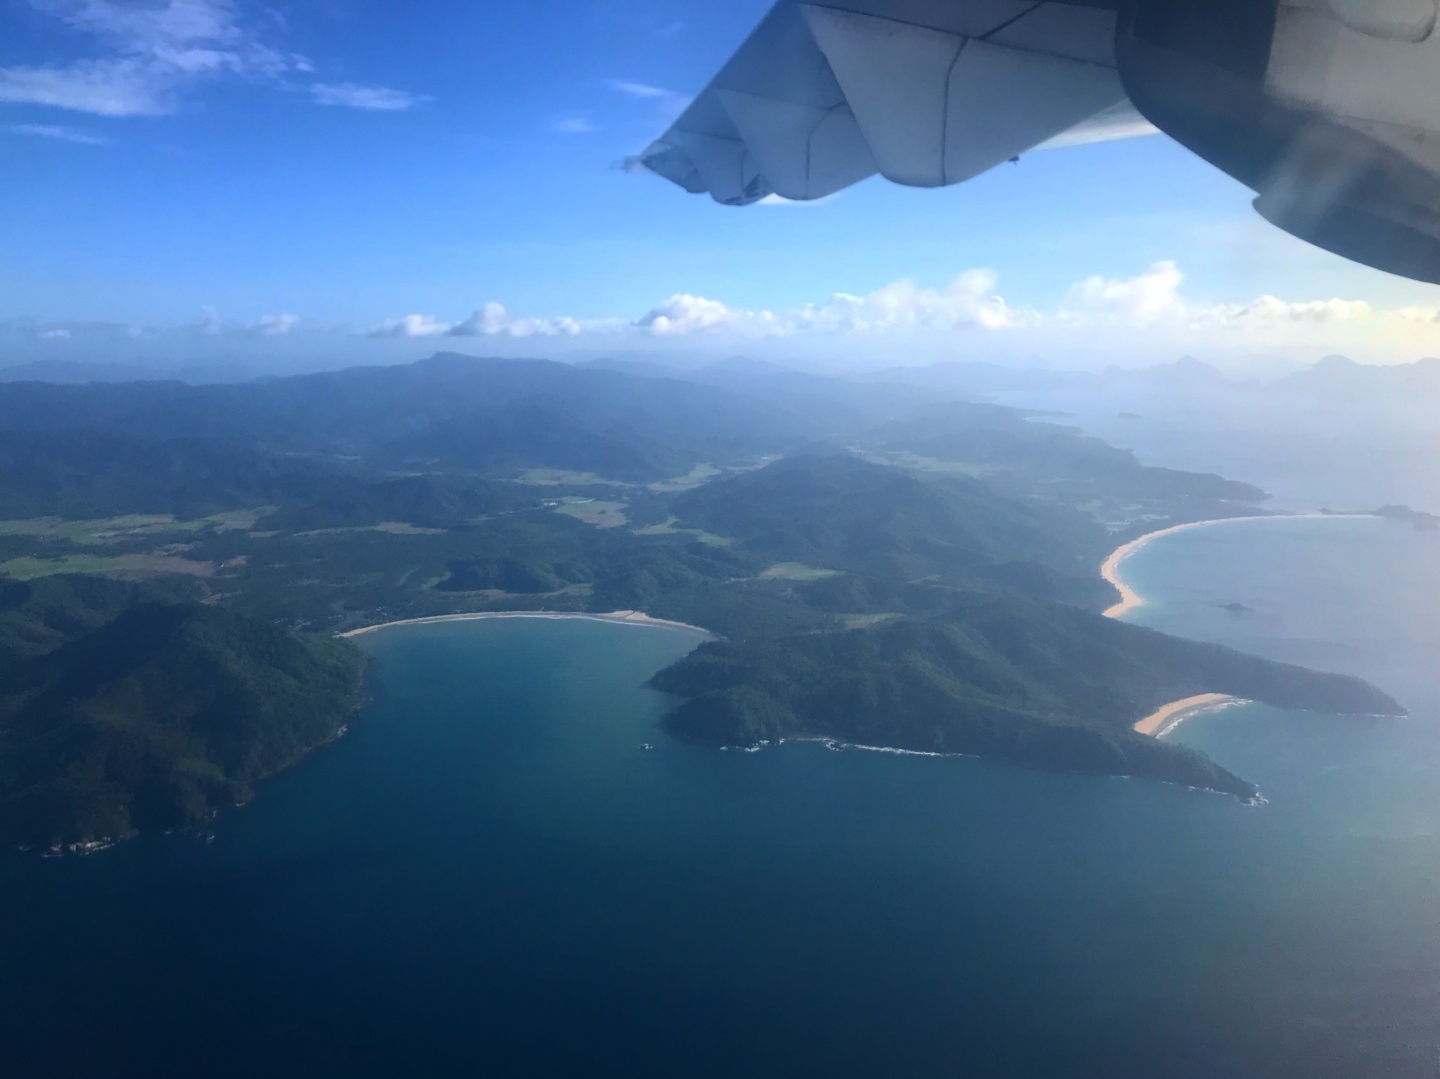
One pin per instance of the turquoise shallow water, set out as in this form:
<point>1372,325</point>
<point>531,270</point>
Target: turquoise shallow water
<point>489,877</point>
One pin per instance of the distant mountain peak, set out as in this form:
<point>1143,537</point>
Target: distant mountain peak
<point>1187,370</point>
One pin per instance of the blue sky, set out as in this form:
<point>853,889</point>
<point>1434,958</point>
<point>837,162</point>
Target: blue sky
<point>318,171</point>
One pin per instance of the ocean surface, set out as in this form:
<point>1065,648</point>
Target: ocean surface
<point>489,877</point>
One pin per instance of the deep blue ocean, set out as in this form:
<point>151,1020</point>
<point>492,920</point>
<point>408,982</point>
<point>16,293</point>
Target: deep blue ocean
<point>490,877</point>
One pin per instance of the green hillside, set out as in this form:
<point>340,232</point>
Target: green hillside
<point>158,717</point>
<point>1003,678</point>
<point>835,511</point>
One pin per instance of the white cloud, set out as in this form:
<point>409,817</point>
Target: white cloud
<point>411,326</point>
<point>574,125</point>
<point>669,102</point>
<point>640,90</point>
<point>1155,298</point>
<point>1100,319</point>
<point>59,134</point>
<point>684,314</point>
<point>781,200</point>
<point>210,323</point>
<point>375,98</point>
<point>99,87</point>
<point>154,49</point>
<point>1150,306</point>
<point>968,302</point>
<point>1146,297</point>
<point>493,320</point>
<point>276,325</point>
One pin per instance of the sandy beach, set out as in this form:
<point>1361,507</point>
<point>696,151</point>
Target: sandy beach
<point>628,618</point>
<point>1164,720</point>
<point>1131,600</point>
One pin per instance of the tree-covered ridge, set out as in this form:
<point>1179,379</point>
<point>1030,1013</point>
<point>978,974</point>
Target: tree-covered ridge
<point>158,717</point>
<point>39,616</point>
<point>837,511</point>
<point>998,677</point>
<point>165,447</point>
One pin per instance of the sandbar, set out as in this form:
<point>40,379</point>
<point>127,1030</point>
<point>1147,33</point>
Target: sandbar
<point>626,618</point>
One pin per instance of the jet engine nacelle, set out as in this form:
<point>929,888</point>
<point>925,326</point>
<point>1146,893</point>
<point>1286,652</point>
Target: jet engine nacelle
<point>1328,109</point>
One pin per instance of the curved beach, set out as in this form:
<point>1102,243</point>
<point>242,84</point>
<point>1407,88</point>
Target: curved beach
<point>1165,719</point>
<point>626,618</point>
<point>1131,600</point>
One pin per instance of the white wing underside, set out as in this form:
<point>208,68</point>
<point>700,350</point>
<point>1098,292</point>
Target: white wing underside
<point>923,92</point>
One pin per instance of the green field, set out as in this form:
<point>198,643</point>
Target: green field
<point>130,565</point>
<point>669,528</point>
<point>697,475</point>
<point>933,464</point>
<point>389,528</point>
<point>798,571</point>
<point>594,512</point>
<point>133,526</point>
<point>556,477</point>
<point>866,621</point>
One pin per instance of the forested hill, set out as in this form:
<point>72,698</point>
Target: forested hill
<point>473,414</point>
<point>997,677</point>
<point>837,512</point>
<point>156,717</point>
<point>158,447</point>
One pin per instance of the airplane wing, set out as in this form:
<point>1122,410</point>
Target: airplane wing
<point>1328,109</point>
<point>923,92</point>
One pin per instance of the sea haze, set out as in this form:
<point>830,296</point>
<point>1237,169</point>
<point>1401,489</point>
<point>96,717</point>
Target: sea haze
<point>489,875</point>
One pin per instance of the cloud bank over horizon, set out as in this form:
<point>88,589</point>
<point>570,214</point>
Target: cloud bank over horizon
<point>1098,319</point>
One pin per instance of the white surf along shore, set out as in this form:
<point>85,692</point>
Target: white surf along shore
<point>1165,720</point>
<point>624,618</point>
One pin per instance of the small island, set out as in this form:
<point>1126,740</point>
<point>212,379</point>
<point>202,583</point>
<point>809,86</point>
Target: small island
<point>1422,521</point>
<point>1419,519</point>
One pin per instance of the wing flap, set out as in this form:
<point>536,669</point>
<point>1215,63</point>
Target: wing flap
<point>895,76</point>
<point>925,92</point>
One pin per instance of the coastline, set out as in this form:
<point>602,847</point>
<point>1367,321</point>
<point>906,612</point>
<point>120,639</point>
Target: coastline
<point>626,618</point>
<point>1166,719</point>
<point>1131,600</point>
